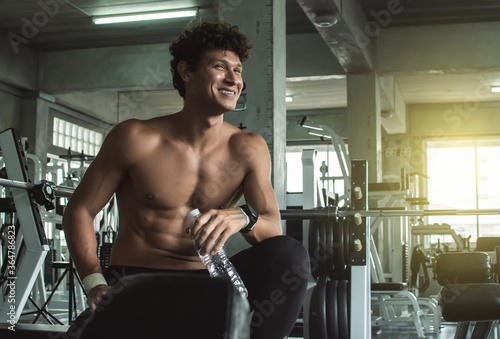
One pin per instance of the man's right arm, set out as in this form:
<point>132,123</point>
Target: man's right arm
<point>101,180</point>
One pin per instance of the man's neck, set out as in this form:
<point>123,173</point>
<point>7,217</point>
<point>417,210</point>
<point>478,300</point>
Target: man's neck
<point>197,128</point>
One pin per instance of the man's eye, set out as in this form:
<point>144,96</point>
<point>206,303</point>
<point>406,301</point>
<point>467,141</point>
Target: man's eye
<point>220,66</point>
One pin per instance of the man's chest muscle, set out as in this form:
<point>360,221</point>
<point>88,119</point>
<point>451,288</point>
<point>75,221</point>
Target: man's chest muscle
<point>203,183</point>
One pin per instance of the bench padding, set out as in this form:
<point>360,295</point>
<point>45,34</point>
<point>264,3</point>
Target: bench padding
<point>470,302</point>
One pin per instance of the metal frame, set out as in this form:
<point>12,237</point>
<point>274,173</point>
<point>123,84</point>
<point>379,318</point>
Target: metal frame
<point>360,272</point>
<point>343,159</point>
<point>396,230</point>
<point>30,257</point>
<point>328,213</point>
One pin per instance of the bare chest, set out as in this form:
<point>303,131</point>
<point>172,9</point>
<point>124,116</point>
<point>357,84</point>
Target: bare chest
<point>181,179</point>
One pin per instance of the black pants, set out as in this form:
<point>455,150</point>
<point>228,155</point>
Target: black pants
<point>275,272</point>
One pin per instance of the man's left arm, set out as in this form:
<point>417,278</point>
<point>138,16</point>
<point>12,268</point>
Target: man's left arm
<point>259,192</point>
<point>215,226</point>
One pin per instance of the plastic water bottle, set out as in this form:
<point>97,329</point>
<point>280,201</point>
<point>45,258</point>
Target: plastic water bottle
<point>218,265</point>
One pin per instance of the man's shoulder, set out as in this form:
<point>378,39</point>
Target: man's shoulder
<point>135,136</point>
<point>132,126</point>
<point>238,136</point>
<point>132,129</point>
<point>248,144</point>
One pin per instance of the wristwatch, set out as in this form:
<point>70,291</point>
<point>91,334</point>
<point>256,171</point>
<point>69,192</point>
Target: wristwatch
<point>251,215</point>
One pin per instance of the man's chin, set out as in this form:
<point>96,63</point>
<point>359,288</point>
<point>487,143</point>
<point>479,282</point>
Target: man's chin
<point>229,108</point>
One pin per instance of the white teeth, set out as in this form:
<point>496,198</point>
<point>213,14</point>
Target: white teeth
<point>227,92</point>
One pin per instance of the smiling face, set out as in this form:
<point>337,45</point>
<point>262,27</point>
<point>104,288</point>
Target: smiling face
<point>217,83</point>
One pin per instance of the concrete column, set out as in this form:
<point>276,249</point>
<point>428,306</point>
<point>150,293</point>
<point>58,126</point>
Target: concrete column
<point>9,110</point>
<point>263,22</point>
<point>18,65</point>
<point>35,114</point>
<point>364,122</point>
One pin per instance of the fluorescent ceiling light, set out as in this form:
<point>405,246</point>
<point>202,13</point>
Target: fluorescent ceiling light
<point>312,127</point>
<point>289,98</point>
<point>319,135</point>
<point>304,122</point>
<point>317,78</point>
<point>112,19</point>
<point>495,89</point>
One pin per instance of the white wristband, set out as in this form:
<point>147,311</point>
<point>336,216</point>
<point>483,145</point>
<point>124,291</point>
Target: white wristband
<point>92,280</point>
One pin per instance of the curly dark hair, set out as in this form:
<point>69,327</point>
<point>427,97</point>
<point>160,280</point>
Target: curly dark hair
<point>199,38</point>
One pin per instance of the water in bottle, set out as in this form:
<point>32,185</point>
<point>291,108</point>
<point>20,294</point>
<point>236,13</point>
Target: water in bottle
<point>218,265</point>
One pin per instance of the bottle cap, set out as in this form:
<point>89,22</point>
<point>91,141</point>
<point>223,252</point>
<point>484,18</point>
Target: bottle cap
<point>193,214</point>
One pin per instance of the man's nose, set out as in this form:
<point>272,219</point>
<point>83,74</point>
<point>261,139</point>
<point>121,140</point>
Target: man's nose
<point>233,78</point>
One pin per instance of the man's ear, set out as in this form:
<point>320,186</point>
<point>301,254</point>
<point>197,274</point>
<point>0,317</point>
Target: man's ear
<point>184,70</point>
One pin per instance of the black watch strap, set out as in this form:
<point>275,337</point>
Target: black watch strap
<point>252,217</point>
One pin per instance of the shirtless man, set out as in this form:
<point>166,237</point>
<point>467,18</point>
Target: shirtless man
<point>162,168</point>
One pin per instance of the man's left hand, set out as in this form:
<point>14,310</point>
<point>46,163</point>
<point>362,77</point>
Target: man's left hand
<point>215,226</point>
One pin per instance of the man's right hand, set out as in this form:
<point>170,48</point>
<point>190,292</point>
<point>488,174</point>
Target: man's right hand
<point>95,295</point>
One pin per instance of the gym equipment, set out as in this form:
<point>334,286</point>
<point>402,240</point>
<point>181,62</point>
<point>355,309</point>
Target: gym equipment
<point>318,310</point>
<point>28,258</point>
<point>487,244</point>
<point>332,212</point>
<point>184,307</point>
<point>388,295</point>
<point>468,294</point>
<point>68,269</point>
<point>443,229</point>
<point>391,233</point>
<point>340,152</point>
<point>332,306</point>
<point>328,310</point>
<point>418,261</point>
<point>337,249</point>
<point>44,191</point>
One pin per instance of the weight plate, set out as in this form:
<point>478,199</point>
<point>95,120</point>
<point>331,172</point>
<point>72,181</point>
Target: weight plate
<point>338,246</point>
<point>313,245</point>
<point>317,311</point>
<point>332,318</point>
<point>322,252</point>
<point>347,240</point>
<point>343,308</point>
<point>329,249</point>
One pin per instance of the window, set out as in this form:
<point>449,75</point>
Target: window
<point>464,175</point>
<point>79,139</point>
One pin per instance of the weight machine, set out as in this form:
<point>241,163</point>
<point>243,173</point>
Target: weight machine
<point>31,245</point>
<point>338,302</point>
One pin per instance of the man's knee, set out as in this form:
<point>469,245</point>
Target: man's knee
<point>293,259</point>
<point>293,250</point>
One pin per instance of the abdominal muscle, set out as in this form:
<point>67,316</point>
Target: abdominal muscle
<point>162,244</point>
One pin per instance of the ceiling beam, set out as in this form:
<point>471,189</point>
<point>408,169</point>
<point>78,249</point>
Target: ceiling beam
<point>350,38</point>
<point>136,68</point>
<point>439,49</point>
<point>17,68</point>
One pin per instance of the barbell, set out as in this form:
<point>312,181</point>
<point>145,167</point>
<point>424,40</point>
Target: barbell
<point>59,191</point>
<point>332,212</point>
<point>46,190</point>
